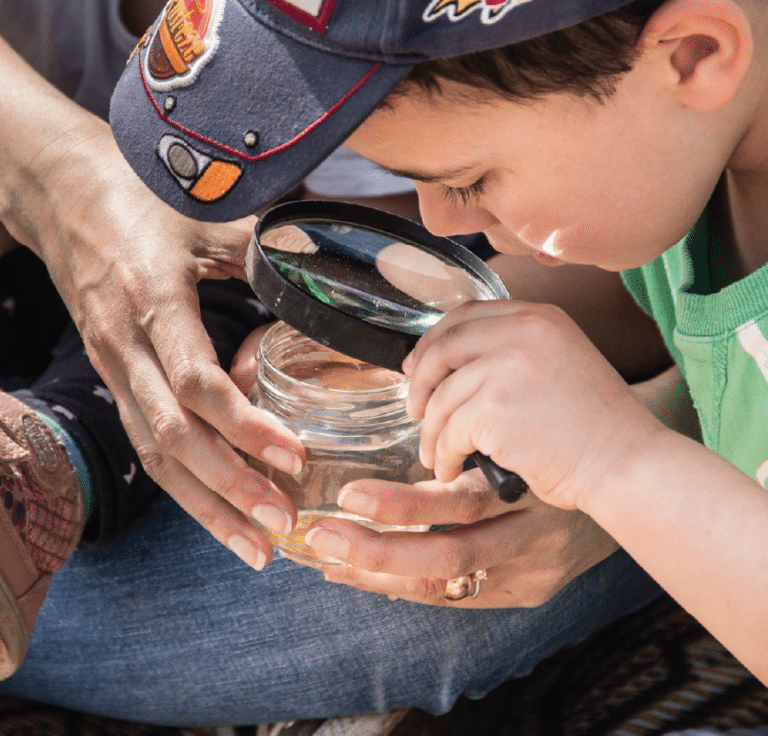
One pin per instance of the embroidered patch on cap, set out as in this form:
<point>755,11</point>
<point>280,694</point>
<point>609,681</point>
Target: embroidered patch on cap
<point>314,14</point>
<point>202,177</point>
<point>456,10</point>
<point>183,43</point>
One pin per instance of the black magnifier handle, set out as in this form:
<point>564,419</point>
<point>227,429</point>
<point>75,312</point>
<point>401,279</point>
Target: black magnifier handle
<point>508,484</point>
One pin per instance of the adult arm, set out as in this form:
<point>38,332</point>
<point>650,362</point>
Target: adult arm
<point>127,266</point>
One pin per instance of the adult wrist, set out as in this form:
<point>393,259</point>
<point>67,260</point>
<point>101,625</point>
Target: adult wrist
<point>37,186</point>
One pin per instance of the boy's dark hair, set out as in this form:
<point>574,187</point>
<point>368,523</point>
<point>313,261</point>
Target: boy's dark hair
<point>585,60</point>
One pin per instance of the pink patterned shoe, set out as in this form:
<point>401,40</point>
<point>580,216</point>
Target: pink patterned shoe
<point>41,522</point>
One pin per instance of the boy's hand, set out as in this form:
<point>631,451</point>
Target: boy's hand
<point>522,384</point>
<point>529,550</point>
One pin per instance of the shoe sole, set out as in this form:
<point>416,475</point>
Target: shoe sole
<point>14,637</point>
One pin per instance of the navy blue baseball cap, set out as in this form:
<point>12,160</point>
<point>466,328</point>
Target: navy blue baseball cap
<point>225,105</point>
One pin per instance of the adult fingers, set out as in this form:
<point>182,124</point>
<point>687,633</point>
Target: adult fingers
<point>443,554</point>
<point>175,445</point>
<point>547,548</point>
<point>464,501</point>
<point>497,588</point>
<point>245,363</point>
<point>187,361</point>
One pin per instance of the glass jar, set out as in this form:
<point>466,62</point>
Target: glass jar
<point>349,415</point>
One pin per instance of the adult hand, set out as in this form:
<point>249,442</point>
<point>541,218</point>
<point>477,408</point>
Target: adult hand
<point>127,266</point>
<point>528,550</point>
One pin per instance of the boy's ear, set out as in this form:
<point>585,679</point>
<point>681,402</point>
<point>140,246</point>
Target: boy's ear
<point>707,48</point>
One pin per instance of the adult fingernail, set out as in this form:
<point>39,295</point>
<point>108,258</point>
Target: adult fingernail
<point>273,518</point>
<point>407,363</point>
<point>282,459</point>
<point>249,553</point>
<point>423,457</point>
<point>350,499</point>
<point>329,543</point>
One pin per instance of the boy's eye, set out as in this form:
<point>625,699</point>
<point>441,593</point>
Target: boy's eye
<point>465,195</point>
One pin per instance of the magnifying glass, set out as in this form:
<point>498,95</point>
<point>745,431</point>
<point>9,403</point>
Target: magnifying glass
<point>367,284</point>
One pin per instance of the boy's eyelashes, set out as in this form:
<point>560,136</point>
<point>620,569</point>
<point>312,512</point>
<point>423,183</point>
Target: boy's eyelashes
<point>466,195</point>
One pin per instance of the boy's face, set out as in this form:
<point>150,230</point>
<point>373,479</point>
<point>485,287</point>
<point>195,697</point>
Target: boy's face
<point>564,179</point>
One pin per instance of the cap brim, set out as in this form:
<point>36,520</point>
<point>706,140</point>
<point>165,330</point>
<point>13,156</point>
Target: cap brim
<point>255,114</point>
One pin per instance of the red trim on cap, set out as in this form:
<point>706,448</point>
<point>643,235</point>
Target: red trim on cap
<point>317,23</point>
<point>264,154</point>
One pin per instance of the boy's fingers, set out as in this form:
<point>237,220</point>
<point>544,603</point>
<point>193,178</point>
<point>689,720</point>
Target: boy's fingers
<point>458,342</point>
<point>449,397</point>
<point>465,313</point>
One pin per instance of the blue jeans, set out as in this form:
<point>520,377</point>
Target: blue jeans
<point>166,626</point>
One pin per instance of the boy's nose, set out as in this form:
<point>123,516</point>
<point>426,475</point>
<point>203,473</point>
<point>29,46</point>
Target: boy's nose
<point>443,217</point>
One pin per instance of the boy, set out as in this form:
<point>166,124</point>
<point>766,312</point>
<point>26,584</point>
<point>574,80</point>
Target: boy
<point>166,626</point>
<point>608,163</point>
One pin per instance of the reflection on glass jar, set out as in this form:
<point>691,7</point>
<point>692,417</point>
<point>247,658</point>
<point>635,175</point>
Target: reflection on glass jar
<point>351,419</point>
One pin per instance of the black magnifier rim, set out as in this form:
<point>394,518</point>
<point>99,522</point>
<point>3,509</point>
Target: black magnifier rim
<point>371,343</point>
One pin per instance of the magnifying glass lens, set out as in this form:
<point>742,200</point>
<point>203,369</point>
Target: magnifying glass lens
<point>371,276</point>
<point>367,284</point>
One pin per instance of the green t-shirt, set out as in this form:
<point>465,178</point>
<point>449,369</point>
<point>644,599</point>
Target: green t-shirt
<point>718,338</point>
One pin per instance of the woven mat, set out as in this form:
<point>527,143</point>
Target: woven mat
<point>650,673</point>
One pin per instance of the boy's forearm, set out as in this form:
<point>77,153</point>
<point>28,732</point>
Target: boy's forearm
<point>698,525</point>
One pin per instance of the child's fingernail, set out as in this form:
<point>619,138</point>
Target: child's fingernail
<point>273,518</point>
<point>329,543</point>
<point>350,499</point>
<point>282,459</point>
<point>407,363</point>
<point>249,553</point>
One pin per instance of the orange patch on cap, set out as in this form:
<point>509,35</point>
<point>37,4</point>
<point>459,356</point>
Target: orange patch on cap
<point>216,181</point>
